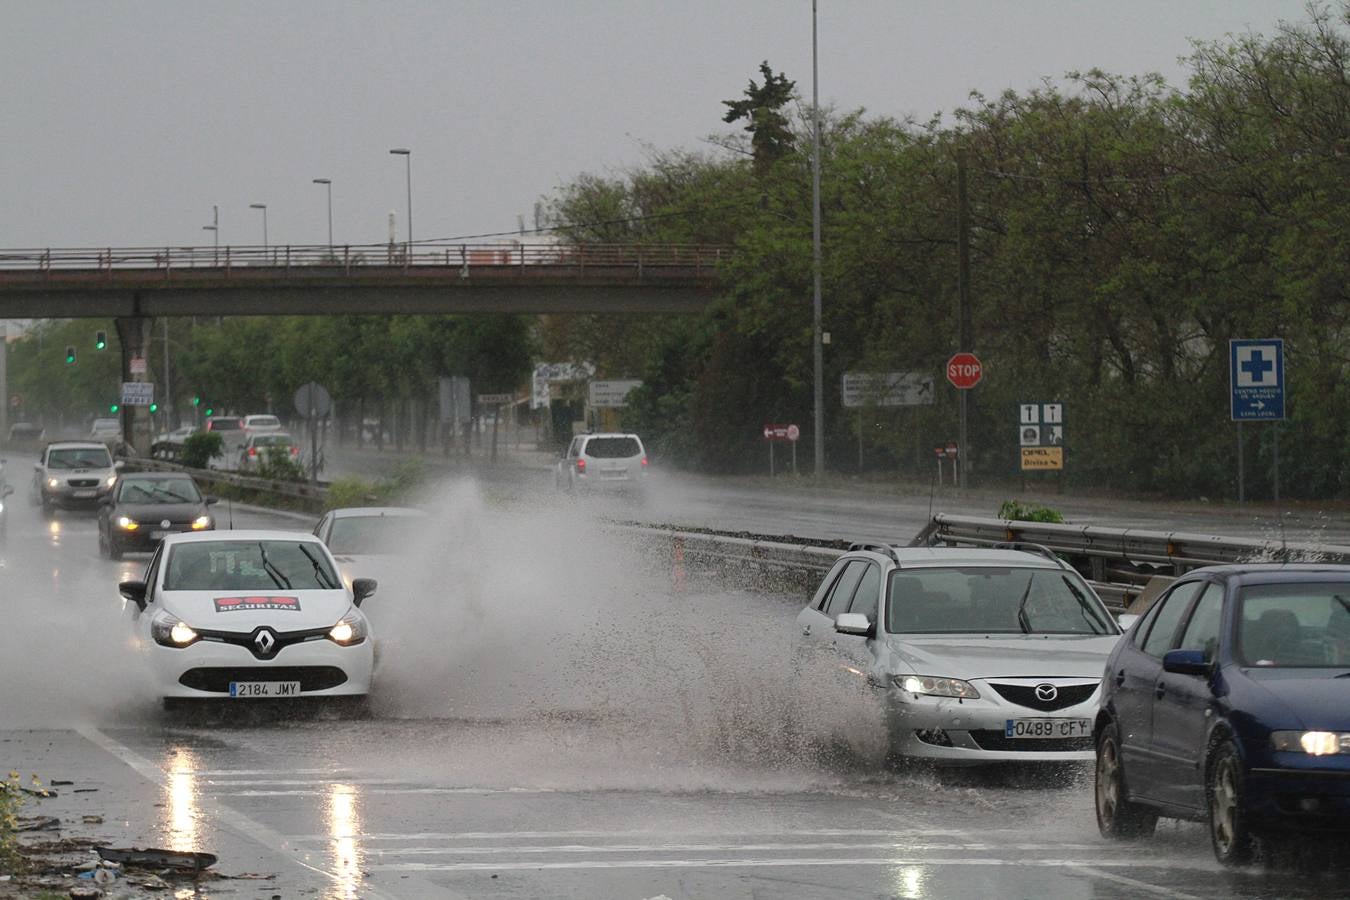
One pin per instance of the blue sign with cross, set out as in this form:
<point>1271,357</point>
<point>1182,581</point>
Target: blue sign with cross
<point>1256,373</point>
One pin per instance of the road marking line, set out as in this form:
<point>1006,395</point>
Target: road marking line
<point>898,846</point>
<point>1095,871</point>
<point>249,828</point>
<point>758,862</point>
<point>382,791</point>
<point>302,782</point>
<point>631,833</point>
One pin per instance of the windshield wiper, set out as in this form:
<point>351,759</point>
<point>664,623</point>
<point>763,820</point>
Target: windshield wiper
<point>319,575</point>
<point>1022,619</point>
<point>271,569</point>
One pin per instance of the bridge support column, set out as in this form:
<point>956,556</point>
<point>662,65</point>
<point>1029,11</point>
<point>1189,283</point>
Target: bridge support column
<point>134,335</point>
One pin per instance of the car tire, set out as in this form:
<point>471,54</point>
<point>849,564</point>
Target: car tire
<point>115,552</point>
<point>48,508</point>
<point>102,545</point>
<point>1117,817</point>
<point>1230,834</point>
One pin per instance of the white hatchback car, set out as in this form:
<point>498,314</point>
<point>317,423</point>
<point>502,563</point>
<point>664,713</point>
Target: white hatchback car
<point>602,461</point>
<point>974,655</point>
<point>250,615</point>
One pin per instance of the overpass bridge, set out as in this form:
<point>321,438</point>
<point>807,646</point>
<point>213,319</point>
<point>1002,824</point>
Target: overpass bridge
<point>373,279</point>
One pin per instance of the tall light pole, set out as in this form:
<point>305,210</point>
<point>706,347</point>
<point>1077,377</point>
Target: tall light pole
<point>214,228</point>
<point>328,182</point>
<point>263,207</point>
<point>407,155</point>
<point>817,338</point>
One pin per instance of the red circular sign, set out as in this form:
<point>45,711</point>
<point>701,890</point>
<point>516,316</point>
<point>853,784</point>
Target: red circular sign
<point>964,370</point>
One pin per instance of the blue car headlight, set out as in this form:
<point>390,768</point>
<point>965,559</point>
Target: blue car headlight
<point>1313,743</point>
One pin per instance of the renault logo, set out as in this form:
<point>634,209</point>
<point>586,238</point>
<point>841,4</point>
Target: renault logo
<point>1046,693</point>
<point>265,641</point>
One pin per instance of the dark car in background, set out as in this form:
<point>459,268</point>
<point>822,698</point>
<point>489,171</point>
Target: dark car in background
<point>144,507</point>
<point>1228,702</point>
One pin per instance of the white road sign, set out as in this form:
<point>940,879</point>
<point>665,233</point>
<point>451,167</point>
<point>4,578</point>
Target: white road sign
<point>611,394</point>
<point>138,393</point>
<point>887,389</point>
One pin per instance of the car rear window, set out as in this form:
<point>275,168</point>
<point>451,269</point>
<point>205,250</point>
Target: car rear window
<point>613,447</point>
<point>249,566</point>
<point>224,424</point>
<point>272,440</point>
<point>264,422</point>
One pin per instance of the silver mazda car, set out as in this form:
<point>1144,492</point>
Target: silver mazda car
<point>973,655</point>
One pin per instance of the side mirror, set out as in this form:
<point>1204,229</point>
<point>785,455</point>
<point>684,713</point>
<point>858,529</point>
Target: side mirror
<point>212,501</point>
<point>362,588</point>
<point>133,591</point>
<point>853,623</point>
<point>37,466</point>
<point>1185,662</point>
<point>1125,620</point>
<point>120,464</point>
<point>9,489</point>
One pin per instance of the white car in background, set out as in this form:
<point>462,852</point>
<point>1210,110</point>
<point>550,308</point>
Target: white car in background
<point>261,424</point>
<point>974,655</point>
<point>371,538</point>
<point>250,615</point>
<point>595,462</point>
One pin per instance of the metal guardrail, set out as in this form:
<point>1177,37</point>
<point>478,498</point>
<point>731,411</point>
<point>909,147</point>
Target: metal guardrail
<point>366,259</point>
<point>310,494</point>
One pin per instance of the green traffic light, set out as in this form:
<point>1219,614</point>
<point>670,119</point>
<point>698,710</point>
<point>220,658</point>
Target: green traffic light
<point>210,413</point>
<point>196,401</point>
<point>154,408</point>
<point>70,356</point>
<point>113,407</point>
<point>100,340</point>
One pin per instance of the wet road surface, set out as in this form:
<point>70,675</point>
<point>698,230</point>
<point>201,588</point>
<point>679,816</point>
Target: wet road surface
<point>551,720</point>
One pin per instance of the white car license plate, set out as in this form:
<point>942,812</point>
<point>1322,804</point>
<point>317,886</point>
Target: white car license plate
<point>157,535</point>
<point>1047,728</point>
<point>245,690</point>
<point>82,495</point>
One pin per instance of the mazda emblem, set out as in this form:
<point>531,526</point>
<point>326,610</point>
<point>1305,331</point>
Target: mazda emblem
<point>265,641</point>
<point>1046,693</point>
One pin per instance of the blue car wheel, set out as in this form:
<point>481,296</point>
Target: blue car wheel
<point>1233,840</point>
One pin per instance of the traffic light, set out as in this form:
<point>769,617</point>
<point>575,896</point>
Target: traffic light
<point>113,407</point>
<point>196,400</point>
<point>70,356</point>
<point>100,340</point>
<point>210,412</point>
<point>154,408</point>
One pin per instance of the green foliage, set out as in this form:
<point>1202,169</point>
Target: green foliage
<point>1016,511</point>
<point>11,804</point>
<point>200,448</point>
<point>762,108</point>
<point>277,464</point>
<point>395,489</point>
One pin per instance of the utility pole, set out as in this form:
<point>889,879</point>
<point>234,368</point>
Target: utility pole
<point>817,333</point>
<point>964,335</point>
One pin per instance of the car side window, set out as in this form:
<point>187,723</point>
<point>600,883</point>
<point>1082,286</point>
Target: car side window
<point>1164,627</point>
<point>827,584</point>
<point>866,594</point>
<point>1202,631</point>
<point>842,592</point>
<point>151,573</point>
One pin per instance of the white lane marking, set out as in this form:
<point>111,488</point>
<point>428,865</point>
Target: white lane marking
<point>251,829</point>
<point>378,791</point>
<point>323,783</point>
<point>755,862</point>
<point>898,846</point>
<point>631,833</point>
<point>254,773</point>
<point>1095,871</point>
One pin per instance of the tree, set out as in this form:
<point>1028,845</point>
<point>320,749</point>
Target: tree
<point>770,133</point>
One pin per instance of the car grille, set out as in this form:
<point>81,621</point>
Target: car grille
<point>1025,695</point>
<point>280,640</point>
<point>217,680</point>
<point>989,739</point>
<point>83,482</point>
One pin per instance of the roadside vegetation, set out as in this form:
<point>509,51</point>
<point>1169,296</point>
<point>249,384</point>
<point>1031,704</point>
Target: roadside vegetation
<point>1122,231</point>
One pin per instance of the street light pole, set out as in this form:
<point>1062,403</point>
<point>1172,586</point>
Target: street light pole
<point>328,182</point>
<point>214,228</point>
<point>263,207</point>
<point>817,348</point>
<point>407,156</point>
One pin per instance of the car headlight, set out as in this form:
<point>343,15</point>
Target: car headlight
<point>350,631</point>
<point>170,631</point>
<point>127,524</point>
<point>110,480</point>
<point>201,522</point>
<point>53,483</point>
<point>1313,743</point>
<point>934,686</point>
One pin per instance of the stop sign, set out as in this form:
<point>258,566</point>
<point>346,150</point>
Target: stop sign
<point>964,370</point>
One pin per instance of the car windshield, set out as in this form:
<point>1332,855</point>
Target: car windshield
<point>158,490</point>
<point>1294,625</point>
<point>989,600</point>
<point>248,566</point>
<point>354,535</point>
<point>79,458</point>
<point>613,447</point>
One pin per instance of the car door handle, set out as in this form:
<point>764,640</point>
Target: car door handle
<point>806,630</point>
<point>1120,678</point>
<point>1159,691</point>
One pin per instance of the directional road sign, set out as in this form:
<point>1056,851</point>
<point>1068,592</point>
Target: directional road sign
<point>781,432</point>
<point>887,389</point>
<point>1256,374</point>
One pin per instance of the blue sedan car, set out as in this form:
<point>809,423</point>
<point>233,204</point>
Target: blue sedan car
<point>1228,702</point>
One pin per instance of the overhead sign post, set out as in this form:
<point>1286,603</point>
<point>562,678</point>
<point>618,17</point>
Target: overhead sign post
<point>1256,380</point>
<point>496,401</point>
<point>1040,434</point>
<point>964,371</point>
<point>313,401</point>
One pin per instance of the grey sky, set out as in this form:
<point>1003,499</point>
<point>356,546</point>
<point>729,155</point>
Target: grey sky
<point>125,121</point>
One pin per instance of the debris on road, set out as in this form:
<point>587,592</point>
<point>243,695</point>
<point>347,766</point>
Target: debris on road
<point>92,820</point>
<point>158,859</point>
<point>37,823</point>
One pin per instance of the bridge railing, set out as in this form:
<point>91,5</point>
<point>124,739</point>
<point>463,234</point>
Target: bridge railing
<point>701,258</point>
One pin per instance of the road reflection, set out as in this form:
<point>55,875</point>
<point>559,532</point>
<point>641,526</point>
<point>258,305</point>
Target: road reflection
<point>911,882</point>
<point>183,801</point>
<point>344,827</point>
